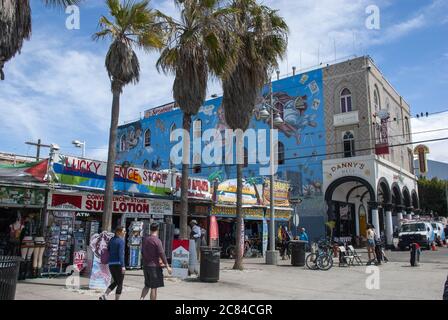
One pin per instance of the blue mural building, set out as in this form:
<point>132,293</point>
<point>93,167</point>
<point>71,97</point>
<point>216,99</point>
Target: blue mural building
<point>301,149</point>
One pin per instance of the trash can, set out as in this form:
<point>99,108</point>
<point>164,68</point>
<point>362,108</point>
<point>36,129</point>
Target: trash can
<point>210,259</point>
<point>9,272</point>
<point>298,253</point>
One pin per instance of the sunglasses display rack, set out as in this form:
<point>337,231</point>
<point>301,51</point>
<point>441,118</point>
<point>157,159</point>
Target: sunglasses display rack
<point>59,238</point>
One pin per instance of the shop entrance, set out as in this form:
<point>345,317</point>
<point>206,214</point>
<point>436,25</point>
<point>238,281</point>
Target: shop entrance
<point>342,197</point>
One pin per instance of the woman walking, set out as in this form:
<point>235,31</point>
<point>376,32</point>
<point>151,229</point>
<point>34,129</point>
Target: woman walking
<point>371,243</point>
<point>116,263</point>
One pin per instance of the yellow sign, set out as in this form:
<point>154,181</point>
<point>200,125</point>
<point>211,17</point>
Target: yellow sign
<point>281,193</point>
<point>249,213</point>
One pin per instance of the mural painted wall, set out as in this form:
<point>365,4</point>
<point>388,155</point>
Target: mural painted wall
<point>146,143</point>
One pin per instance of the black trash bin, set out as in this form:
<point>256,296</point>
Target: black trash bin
<point>9,272</point>
<point>210,259</point>
<point>298,249</point>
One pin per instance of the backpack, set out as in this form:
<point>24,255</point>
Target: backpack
<point>105,255</point>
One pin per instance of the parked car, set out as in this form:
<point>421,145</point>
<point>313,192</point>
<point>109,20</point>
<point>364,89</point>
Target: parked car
<point>419,232</point>
<point>439,231</point>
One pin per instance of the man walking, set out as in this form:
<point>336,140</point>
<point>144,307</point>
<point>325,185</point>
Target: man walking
<point>152,254</point>
<point>116,263</point>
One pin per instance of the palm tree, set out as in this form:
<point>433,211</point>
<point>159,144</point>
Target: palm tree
<point>15,26</point>
<point>261,39</point>
<point>134,25</point>
<point>194,50</point>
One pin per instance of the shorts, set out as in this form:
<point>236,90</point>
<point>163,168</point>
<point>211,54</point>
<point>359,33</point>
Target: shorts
<point>153,277</point>
<point>371,243</point>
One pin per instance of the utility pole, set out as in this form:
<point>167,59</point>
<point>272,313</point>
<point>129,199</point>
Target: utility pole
<point>38,145</point>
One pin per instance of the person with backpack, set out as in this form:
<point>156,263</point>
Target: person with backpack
<point>115,253</point>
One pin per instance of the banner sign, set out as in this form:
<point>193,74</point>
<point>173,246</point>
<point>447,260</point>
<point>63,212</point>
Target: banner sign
<point>94,202</point>
<point>226,193</point>
<point>281,193</point>
<point>11,196</point>
<point>197,188</point>
<point>100,276</point>
<point>230,212</point>
<point>90,173</point>
<point>180,258</point>
<point>265,236</point>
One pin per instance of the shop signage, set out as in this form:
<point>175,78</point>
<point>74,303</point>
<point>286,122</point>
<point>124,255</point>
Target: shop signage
<point>89,173</point>
<point>347,168</point>
<point>421,151</point>
<point>283,215</point>
<point>159,110</point>
<point>230,212</point>
<point>10,196</point>
<point>226,193</point>
<point>94,202</point>
<point>281,193</point>
<point>180,258</point>
<point>80,260</point>
<point>197,188</point>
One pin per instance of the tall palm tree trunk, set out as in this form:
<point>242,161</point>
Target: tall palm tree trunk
<point>109,192</point>
<point>184,183</point>
<point>239,218</point>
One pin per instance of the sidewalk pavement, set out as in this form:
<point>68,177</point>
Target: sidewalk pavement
<point>283,282</point>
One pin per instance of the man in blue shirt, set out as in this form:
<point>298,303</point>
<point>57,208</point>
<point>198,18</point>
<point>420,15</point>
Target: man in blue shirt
<point>116,263</point>
<point>303,236</point>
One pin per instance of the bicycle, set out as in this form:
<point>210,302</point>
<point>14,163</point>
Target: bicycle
<point>321,256</point>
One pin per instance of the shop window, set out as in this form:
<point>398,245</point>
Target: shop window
<point>376,99</point>
<point>349,144</point>
<point>281,153</point>
<point>147,138</point>
<point>346,100</point>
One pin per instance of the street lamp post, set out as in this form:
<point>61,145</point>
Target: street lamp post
<point>82,145</point>
<point>271,254</point>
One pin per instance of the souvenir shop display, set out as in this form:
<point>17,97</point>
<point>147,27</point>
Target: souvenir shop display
<point>79,247</point>
<point>135,238</point>
<point>59,243</point>
<point>15,231</point>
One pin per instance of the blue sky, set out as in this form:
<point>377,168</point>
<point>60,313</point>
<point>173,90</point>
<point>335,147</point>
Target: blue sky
<point>58,89</point>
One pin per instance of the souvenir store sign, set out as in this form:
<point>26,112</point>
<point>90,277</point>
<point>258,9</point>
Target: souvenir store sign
<point>94,202</point>
<point>197,188</point>
<point>89,173</point>
<point>10,196</point>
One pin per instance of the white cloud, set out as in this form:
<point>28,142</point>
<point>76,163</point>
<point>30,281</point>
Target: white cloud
<point>433,127</point>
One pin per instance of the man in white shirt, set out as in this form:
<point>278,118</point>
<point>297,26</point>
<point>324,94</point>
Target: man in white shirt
<point>196,235</point>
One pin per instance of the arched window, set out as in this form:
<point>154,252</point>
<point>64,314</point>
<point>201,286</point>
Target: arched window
<point>173,127</point>
<point>407,129</point>
<point>123,143</point>
<point>349,144</point>
<point>246,158</point>
<point>147,138</point>
<point>146,164</point>
<point>346,100</point>
<point>281,153</point>
<point>376,99</point>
